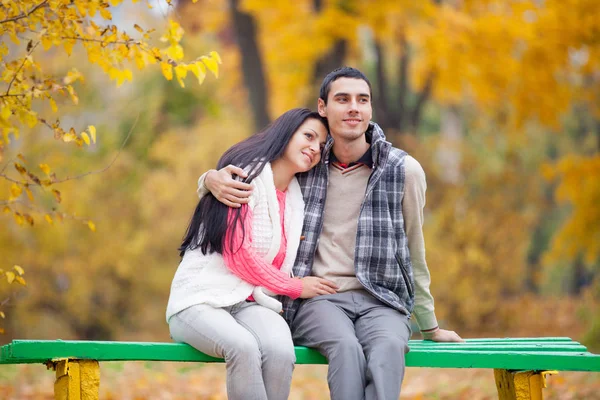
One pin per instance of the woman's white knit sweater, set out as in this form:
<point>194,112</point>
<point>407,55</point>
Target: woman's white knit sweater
<point>205,279</point>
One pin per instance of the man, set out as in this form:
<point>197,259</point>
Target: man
<point>378,263</point>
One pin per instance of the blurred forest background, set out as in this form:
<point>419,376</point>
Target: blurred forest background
<point>498,100</point>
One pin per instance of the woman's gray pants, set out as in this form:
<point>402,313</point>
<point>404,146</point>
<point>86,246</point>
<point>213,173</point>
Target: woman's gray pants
<point>254,341</point>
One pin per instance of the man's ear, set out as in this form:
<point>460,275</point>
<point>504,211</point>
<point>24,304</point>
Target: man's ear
<point>322,108</point>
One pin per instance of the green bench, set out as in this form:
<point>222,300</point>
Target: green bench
<point>519,365</point>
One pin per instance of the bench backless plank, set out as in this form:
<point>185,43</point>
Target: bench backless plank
<point>519,364</point>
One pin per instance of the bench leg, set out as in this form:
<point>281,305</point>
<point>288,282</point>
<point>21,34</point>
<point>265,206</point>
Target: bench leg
<point>520,385</point>
<point>76,379</point>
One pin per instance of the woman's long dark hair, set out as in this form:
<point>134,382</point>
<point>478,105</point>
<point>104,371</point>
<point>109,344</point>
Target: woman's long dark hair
<point>208,225</point>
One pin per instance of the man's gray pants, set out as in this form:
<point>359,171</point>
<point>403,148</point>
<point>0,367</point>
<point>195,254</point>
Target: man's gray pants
<point>364,340</point>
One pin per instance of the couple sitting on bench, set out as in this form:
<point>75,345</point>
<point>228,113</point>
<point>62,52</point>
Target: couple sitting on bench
<point>326,229</point>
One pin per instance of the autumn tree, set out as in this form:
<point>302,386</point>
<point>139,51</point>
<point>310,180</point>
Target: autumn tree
<point>31,92</point>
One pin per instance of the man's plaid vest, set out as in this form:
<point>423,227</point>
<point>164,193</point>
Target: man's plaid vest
<point>381,259</point>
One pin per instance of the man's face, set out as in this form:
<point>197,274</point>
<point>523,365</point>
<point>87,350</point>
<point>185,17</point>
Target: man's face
<point>348,108</point>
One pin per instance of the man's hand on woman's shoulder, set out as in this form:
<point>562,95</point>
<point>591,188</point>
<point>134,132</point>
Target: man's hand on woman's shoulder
<point>225,188</point>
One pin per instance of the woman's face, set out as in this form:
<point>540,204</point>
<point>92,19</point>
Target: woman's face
<point>304,149</point>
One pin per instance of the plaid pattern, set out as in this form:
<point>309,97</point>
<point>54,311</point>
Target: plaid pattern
<point>382,259</point>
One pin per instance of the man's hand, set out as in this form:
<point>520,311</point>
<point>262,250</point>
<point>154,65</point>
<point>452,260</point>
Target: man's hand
<point>442,335</point>
<point>227,190</point>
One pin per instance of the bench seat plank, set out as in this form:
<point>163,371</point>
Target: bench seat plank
<point>513,354</point>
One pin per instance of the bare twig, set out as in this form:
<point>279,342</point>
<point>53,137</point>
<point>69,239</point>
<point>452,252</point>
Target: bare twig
<point>6,165</point>
<point>8,178</point>
<point>128,42</point>
<point>24,14</point>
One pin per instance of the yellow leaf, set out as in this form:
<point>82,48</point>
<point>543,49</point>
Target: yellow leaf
<point>2,314</point>
<point>85,138</point>
<point>212,65</point>
<point>15,191</point>
<point>167,70</point>
<point>2,331</point>
<point>92,130</point>
<point>19,270</point>
<point>46,42</point>
<point>5,113</point>
<point>45,168</point>
<point>138,28</point>
<point>10,276</point>
<point>19,218</point>
<point>92,226</point>
<point>29,194</point>
<point>215,56</point>
<point>199,70</point>
<point>49,219</point>
<point>53,104</point>
<point>21,280</point>
<point>6,209</point>
<point>175,52</point>
<point>181,73</point>
<point>105,13</point>
<point>57,195</point>
<point>69,46</point>
<point>69,136</point>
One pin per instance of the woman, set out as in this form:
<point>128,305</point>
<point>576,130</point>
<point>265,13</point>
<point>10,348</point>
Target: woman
<point>234,259</point>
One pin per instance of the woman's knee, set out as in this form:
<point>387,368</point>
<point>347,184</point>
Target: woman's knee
<point>279,351</point>
<point>245,348</point>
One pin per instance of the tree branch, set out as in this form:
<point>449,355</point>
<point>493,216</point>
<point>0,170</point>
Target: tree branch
<point>2,175</point>
<point>24,14</point>
<point>21,67</point>
<point>110,164</point>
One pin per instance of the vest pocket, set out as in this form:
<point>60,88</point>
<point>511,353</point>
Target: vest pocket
<point>405,275</point>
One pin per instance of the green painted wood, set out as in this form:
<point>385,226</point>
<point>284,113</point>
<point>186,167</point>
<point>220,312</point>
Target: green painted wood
<point>564,355</point>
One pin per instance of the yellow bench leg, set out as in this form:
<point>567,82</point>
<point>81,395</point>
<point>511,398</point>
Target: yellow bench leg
<point>76,379</point>
<point>520,385</point>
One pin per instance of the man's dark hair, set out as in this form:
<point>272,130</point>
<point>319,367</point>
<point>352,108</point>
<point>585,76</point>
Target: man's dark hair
<point>342,72</point>
<point>209,223</point>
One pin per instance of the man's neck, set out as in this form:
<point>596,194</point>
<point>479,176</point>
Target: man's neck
<point>348,152</point>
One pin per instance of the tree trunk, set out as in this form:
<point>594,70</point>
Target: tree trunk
<point>252,65</point>
<point>380,101</point>
<point>449,152</point>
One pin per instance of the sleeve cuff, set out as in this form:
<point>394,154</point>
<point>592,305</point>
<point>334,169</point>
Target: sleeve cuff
<point>202,190</point>
<point>296,289</point>
<point>426,321</point>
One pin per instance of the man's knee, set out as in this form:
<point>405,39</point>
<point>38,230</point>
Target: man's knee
<point>346,348</point>
<point>388,351</point>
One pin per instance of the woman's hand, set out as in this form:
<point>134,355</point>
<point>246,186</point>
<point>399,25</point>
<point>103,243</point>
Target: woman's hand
<point>313,286</point>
